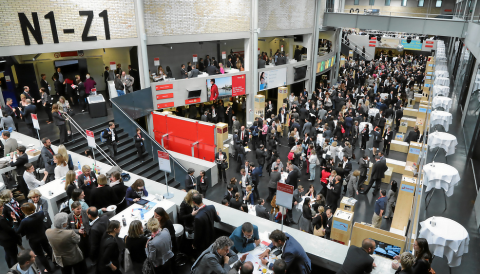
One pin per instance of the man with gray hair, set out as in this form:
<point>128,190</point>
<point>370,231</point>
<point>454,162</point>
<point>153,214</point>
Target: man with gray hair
<point>64,243</point>
<point>190,181</point>
<point>216,258</point>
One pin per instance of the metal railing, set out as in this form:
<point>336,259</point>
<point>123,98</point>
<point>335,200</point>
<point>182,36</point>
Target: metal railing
<point>84,135</point>
<point>149,139</point>
<point>391,13</point>
<point>352,45</point>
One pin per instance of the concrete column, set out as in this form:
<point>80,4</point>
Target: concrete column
<point>314,52</point>
<point>142,46</point>
<point>252,90</point>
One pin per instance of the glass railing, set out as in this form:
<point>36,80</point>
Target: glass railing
<point>378,11</point>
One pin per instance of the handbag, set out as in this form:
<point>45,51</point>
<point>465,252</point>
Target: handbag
<point>319,232</point>
<point>148,267</point>
<point>128,263</point>
<point>353,156</point>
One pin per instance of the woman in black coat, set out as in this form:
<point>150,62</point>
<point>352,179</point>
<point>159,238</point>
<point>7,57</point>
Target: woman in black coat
<point>108,262</point>
<point>102,196</point>
<point>8,238</point>
<point>365,137</point>
<point>136,242</point>
<point>139,144</point>
<point>202,183</point>
<point>120,190</point>
<point>333,193</point>
<point>236,201</point>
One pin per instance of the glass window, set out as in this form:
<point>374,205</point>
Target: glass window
<point>371,2</point>
<point>438,4</point>
<point>473,110</point>
<point>421,3</point>
<point>356,2</point>
<point>404,3</point>
<point>387,2</point>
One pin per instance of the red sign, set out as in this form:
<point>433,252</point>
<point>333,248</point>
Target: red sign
<point>429,46</point>
<point>429,42</point>
<point>285,188</point>
<point>192,101</point>
<point>448,10</point>
<point>93,90</point>
<point>165,105</point>
<point>156,59</point>
<point>238,85</point>
<point>164,96</point>
<point>163,155</point>
<point>373,38</point>
<point>163,87</point>
<point>371,45</point>
<point>372,41</point>
<point>68,53</point>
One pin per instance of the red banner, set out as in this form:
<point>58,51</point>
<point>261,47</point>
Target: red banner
<point>373,38</point>
<point>163,87</point>
<point>371,45</point>
<point>68,53</point>
<point>429,46</point>
<point>192,101</point>
<point>285,188</point>
<point>428,42</point>
<point>238,85</point>
<point>164,96</point>
<point>372,41</point>
<point>165,105</point>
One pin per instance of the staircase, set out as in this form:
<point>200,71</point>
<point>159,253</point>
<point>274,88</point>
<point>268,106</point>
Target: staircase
<point>345,50</point>
<point>126,157</point>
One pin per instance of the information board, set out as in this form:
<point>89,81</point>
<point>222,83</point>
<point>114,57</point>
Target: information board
<point>164,161</point>
<point>90,139</point>
<point>284,195</point>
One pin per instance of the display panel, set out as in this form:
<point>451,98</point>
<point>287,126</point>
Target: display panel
<point>272,78</point>
<point>300,73</point>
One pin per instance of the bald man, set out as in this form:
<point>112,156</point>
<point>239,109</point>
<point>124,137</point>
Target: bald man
<point>358,260</point>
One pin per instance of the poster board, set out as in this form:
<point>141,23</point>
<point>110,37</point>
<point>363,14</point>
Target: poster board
<point>36,125</point>
<point>164,161</point>
<point>284,195</point>
<point>91,139</point>
<point>272,79</point>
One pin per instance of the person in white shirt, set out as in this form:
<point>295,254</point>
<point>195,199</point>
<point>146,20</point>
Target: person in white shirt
<point>62,168</point>
<point>30,179</point>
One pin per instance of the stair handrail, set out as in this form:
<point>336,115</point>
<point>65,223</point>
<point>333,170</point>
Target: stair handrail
<point>148,135</point>
<point>84,134</point>
<point>352,43</point>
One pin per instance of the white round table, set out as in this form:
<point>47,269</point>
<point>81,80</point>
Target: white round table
<point>439,175</point>
<point>443,102</point>
<point>441,73</point>
<point>362,125</point>
<point>443,140</point>
<point>440,90</point>
<point>373,112</point>
<point>440,118</point>
<point>448,238</point>
<point>443,81</point>
<point>441,67</point>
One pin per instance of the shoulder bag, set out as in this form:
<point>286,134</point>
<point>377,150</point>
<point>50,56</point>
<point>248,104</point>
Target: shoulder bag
<point>128,264</point>
<point>319,232</point>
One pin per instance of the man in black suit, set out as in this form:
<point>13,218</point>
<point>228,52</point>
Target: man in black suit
<point>221,112</point>
<point>381,122</point>
<point>204,117</point>
<point>22,159</point>
<point>328,228</point>
<point>358,260</point>
<point>261,62</point>
<point>204,222</point>
<point>27,115</point>
<point>229,193</point>
<point>211,70</point>
<point>243,136</point>
<point>183,72</point>
<point>261,154</point>
<point>190,182</point>
<point>398,117</point>
<point>194,72</point>
<point>347,166</point>
<point>292,178</point>
<point>260,209</point>
<point>240,150</point>
<point>275,177</point>
<point>11,111</point>
<point>98,227</point>
<point>297,198</point>
<point>378,172</point>
<point>44,84</point>
<point>413,135</point>
<point>221,160</point>
<point>112,139</point>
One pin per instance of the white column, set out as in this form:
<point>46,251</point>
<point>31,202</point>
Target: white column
<point>314,52</point>
<point>252,90</point>
<point>142,46</point>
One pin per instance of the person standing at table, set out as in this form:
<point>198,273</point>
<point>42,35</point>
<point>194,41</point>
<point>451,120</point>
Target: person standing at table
<point>87,181</point>
<point>215,258</point>
<point>109,250</point>
<point>293,253</point>
<point>10,111</point>
<point>47,156</point>
<point>203,183</point>
<point>159,247</point>
<point>380,205</point>
<point>135,192</point>
<point>30,179</point>
<point>119,86</point>
<point>103,195</point>
<point>245,238</point>
<point>358,259</point>
<point>60,122</point>
<point>333,193</point>
<point>27,112</point>
<point>135,242</point>
<point>98,227</point>
<point>378,172</point>
<point>8,238</point>
<point>34,197</point>
<point>9,144</point>
<point>275,177</point>
<point>204,221</point>
<point>64,243</point>
<point>76,219</point>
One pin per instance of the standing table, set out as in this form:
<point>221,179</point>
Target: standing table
<point>442,140</point>
<point>443,102</point>
<point>440,90</point>
<point>442,118</point>
<point>438,176</point>
<point>97,107</point>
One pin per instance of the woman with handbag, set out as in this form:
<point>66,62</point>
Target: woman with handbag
<point>305,223</point>
<point>139,144</point>
<point>318,222</point>
<point>202,182</point>
<point>109,263</point>
<point>136,242</point>
<point>159,248</point>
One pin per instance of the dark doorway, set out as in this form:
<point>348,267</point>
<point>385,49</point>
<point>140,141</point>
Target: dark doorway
<point>26,77</point>
<point>297,88</point>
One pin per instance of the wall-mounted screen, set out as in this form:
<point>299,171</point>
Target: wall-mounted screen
<point>300,73</point>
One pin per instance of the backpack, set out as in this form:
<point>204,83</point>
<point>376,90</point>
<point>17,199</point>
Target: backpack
<point>103,139</point>
<point>255,131</point>
<point>291,156</point>
<point>378,137</point>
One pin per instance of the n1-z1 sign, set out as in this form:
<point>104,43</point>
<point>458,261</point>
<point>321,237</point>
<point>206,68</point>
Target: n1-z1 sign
<point>284,195</point>
<point>164,161</point>
<point>90,139</point>
<point>36,125</point>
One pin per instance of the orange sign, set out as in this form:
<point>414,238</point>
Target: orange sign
<point>163,87</point>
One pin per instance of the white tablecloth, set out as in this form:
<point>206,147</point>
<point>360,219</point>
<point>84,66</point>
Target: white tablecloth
<point>443,140</point>
<point>444,81</point>
<point>383,96</point>
<point>440,118</point>
<point>284,177</point>
<point>362,125</point>
<point>441,67</point>
<point>203,75</point>
<point>448,238</point>
<point>443,102</point>
<point>320,139</point>
<point>300,205</point>
<point>441,73</point>
<point>441,90</point>
<point>373,112</point>
<point>439,175</point>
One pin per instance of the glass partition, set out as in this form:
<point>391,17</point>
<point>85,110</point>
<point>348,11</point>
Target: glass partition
<point>472,111</point>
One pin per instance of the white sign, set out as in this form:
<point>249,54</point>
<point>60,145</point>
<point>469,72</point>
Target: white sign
<point>284,195</point>
<point>156,61</point>
<point>258,50</point>
<point>164,161</point>
<point>7,78</point>
<point>195,58</point>
<point>224,55</point>
<point>91,139</point>
<point>281,48</point>
<point>112,66</point>
<point>36,125</point>
<point>272,78</point>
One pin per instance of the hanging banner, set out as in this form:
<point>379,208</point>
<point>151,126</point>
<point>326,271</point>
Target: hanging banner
<point>91,139</point>
<point>36,125</point>
<point>156,61</point>
<point>272,78</point>
<point>228,86</point>
<point>413,45</point>
<point>284,195</point>
<point>112,66</point>
<point>238,85</point>
<point>164,161</point>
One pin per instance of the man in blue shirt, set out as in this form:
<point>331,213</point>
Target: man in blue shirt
<point>245,238</point>
<point>379,209</point>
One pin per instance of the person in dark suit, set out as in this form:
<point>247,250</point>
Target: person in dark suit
<point>292,178</point>
<point>103,195</point>
<point>293,253</point>
<point>139,144</point>
<point>378,172</point>
<point>260,209</point>
<point>47,157</point>
<point>334,190</point>
<point>183,72</point>
<point>8,238</point>
<point>27,115</point>
<point>108,261</point>
<point>240,150</point>
<point>112,139</point>
<point>387,139</point>
<point>34,230</point>
<point>261,62</point>
<point>398,118</point>
<point>243,136</point>
<point>11,111</point>
<point>211,70</point>
<point>221,160</point>
<point>204,117</point>
<point>261,154</point>
<point>328,227</point>
<point>203,183</point>
<point>228,193</point>
<point>87,181</point>
<point>98,227</point>
<point>60,123</point>
<point>204,229</point>
<point>358,259</point>
<point>413,135</point>
<point>221,112</point>
<point>119,191</point>
<point>275,177</point>
<point>190,182</point>
<point>255,174</point>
